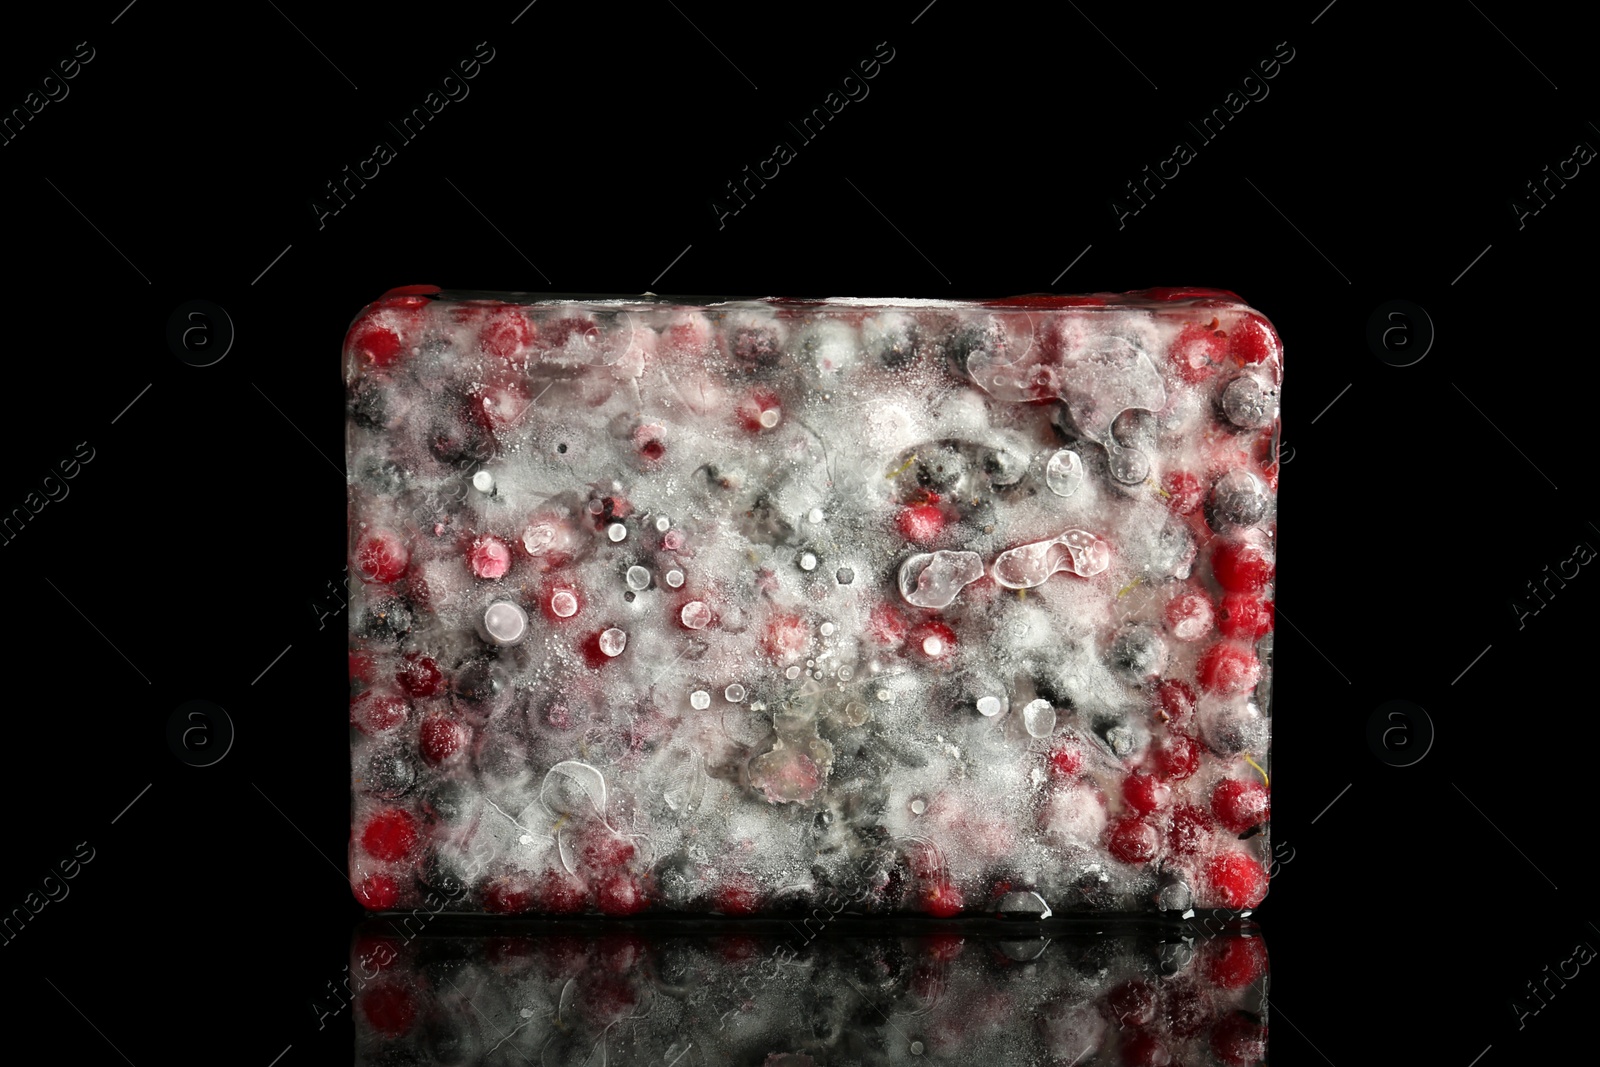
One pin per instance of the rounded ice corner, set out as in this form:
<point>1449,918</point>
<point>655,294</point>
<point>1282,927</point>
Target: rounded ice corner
<point>385,331</point>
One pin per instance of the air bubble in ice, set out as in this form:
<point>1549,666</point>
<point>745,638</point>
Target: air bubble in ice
<point>663,524</point>
<point>844,575</point>
<point>769,418</point>
<point>1039,716</point>
<point>918,806</point>
<point>483,481</point>
<point>616,531</point>
<point>814,515</point>
<point>675,578</point>
<point>933,645</point>
<point>846,673</point>
<point>1064,473</point>
<point>699,700</point>
<point>503,623</point>
<point>638,578</point>
<point>572,787</point>
<point>563,604</point>
<point>791,673</point>
<point>1128,465</point>
<point>613,641</point>
<point>538,537</point>
<point>932,579</point>
<point>989,706</point>
<point>855,713</point>
<point>695,615</point>
<point>826,629</point>
<point>808,561</point>
<point>1027,566</point>
<point>734,693</point>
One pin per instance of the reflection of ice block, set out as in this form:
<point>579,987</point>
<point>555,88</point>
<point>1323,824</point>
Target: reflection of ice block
<point>732,608</point>
<point>793,995</point>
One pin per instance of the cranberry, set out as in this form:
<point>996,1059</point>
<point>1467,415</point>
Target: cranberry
<point>1253,340</point>
<point>389,1007</point>
<point>1240,805</point>
<point>647,440</point>
<point>785,637</point>
<point>375,344</point>
<point>1246,617</point>
<point>920,523</point>
<point>1184,492</point>
<point>1133,1003</point>
<point>441,738</point>
<point>559,893</point>
<point>362,673</point>
<point>1132,840</point>
<point>375,712</point>
<point>1239,1040</point>
<point>604,849</point>
<point>1145,793</point>
<point>419,675</point>
<point>1066,758</point>
<point>886,626</point>
<point>619,894</point>
<point>942,899</point>
<point>1234,962</point>
<point>1241,567</point>
<point>377,892</point>
<point>489,557</point>
<point>1189,616</point>
<point>390,834</point>
<point>1236,880</point>
<point>738,895</point>
<point>382,557</point>
<point>506,334</point>
<point>1176,757</point>
<point>1197,351</point>
<point>1188,830</point>
<point>1228,669</point>
<point>1175,702</point>
<point>509,894</point>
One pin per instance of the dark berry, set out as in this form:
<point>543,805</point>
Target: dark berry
<point>419,675</point>
<point>1131,1004</point>
<point>390,774</point>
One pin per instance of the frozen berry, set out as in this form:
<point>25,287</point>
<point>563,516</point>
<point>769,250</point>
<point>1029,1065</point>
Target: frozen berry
<point>1238,498</point>
<point>785,637</point>
<point>760,411</point>
<point>382,557</point>
<point>886,626</point>
<point>390,774</point>
<point>1184,492</point>
<point>1227,668</point>
<point>377,892</point>
<point>1188,830</point>
<point>1241,567</point>
<point>933,640</point>
<point>1187,1007</point>
<point>1131,1004</point>
<point>1253,340</point>
<point>509,894</point>
<point>441,738</point>
<point>1189,616</point>
<point>1137,652</point>
<point>489,557</point>
<point>1245,617</point>
<point>1197,351</point>
<point>1234,962</point>
<point>739,895</point>
<point>1066,758</point>
<point>1145,793</point>
<point>1239,1040</point>
<point>507,334</point>
<point>1175,757</point>
<point>1236,880</point>
<point>1240,805</point>
<point>1175,703</point>
<point>1132,840</point>
<point>560,893</point>
<point>375,712</point>
<point>942,899</point>
<point>374,344</point>
<point>920,523</point>
<point>389,1007</point>
<point>419,675</point>
<point>390,834</point>
<point>619,894</point>
<point>1144,1049</point>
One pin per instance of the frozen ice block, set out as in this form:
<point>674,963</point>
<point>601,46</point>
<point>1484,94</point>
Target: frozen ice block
<point>740,607</point>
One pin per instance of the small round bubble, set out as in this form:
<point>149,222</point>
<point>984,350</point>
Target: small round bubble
<point>770,417</point>
<point>638,579</point>
<point>663,524</point>
<point>563,604</point>
<point>700,700</point>
<point>826,629</point>
<point>613,641</point>
<point>814,515</point>
<point>808,561</point>
<point>989,706</point>
<point>734,693</point>
<point>483,481</point>
<point>791,673</point>
<point>616,532</point>
<point>695,615</point>
<point>675,578</point>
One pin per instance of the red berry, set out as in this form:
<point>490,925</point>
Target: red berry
<point>1234,962</point>
<point>507,333</point>
<point>934,640</point>
<point>1235,880</point>
<point>388,1007</point>
<point>1066,758</point>
<point>362,673</point>
<point>886,626</point>
<point>1184,492</point>
<point>375,712</point>
<point>1240,805</point>
<point>920,523</point>
<point>390,834</point>
<point>785,637</point>
<point>1197,351</point>
<point>1246,617</point>
<point>1188,1008</point>
<point>1189,616</point>
<point>1176,757</point>
<point>1241,567</point>
<point>1175,702</point>
<point>1228,669</point>
<point>1132,840</point>
<point>1145,793</point>
<point>559,893</point>
<point>1239,1040</point>
<point>1188,831</point>
<point>382,557</point>
<point>509,894</point>
<point>1253,340</point>
<point>942,899</point>
<point>619,894</point>
<point>489,557</point>
<point>1145,1050</point>
<point>377,892</point>
<point>1133,1003</point>
<point>648,440</point>
<point>603,849</point>
<point>441,738</point>
<point>739,895</point>
<point>419,675</point>
<point>375,344</point>
<point>760,411</point>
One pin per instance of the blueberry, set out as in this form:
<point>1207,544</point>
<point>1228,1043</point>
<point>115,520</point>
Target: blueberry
<point>447,801</point>
<point>1238,499</point>
<point>756,344</point>
<point>383,476</point>
<point>1137,652</point>
<point>1135,427</point>
<point>459,442</point>
<point>1003,468</point>
<point>1247,403</point>
<point>844,575</point>
<point>480,681</point>
<point>390,774</point>
<point>366,404</point>
<point>388,616</point>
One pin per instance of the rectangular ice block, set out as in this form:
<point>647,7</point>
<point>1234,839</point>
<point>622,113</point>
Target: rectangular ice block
<point>762,606</point>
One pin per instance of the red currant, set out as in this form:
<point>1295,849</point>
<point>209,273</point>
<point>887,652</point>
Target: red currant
<point>1197,351</point>
<point>1241,566</point>
<point>1228,669</point>
<point>441,738</point>
<point>1234,962</point>
<point>1175,703</point>
<point>1145,793</point>
<point>507,334</point>
<point>1253,340</point>
<point>377,892</point>
<point>942,899</point>
<point>1176,757</point>
<point>1188,1008</point>
<point>375,712</point>
<point>760,411</point>
<point>382,557</point>
<point>389,1007</point>
<point>738,895</point>
<point>419,675</point>
<point>1240,805</point>
<point>920,523</point>
<point>489,557</point>
<point>390,834</point>
<point>785,637</point>
<point>1236,880</point>
<point>886,626</point>
<point>1132,840</point>
<point>1188,831</point>
<point>1184,492</point>
<point>1189,616</point>
<point>1246,617</point>
<point>619,894</point>
<point>1145,1050</point>
<point>1066,758</point>
<point>1133,1003</point>
<point>559,893</point>
<point>375,344</point>
<point>509,894</point>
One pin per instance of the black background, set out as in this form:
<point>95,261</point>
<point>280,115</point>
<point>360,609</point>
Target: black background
<point>191,550</point>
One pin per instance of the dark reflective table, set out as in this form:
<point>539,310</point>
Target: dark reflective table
<point>792,994</point>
